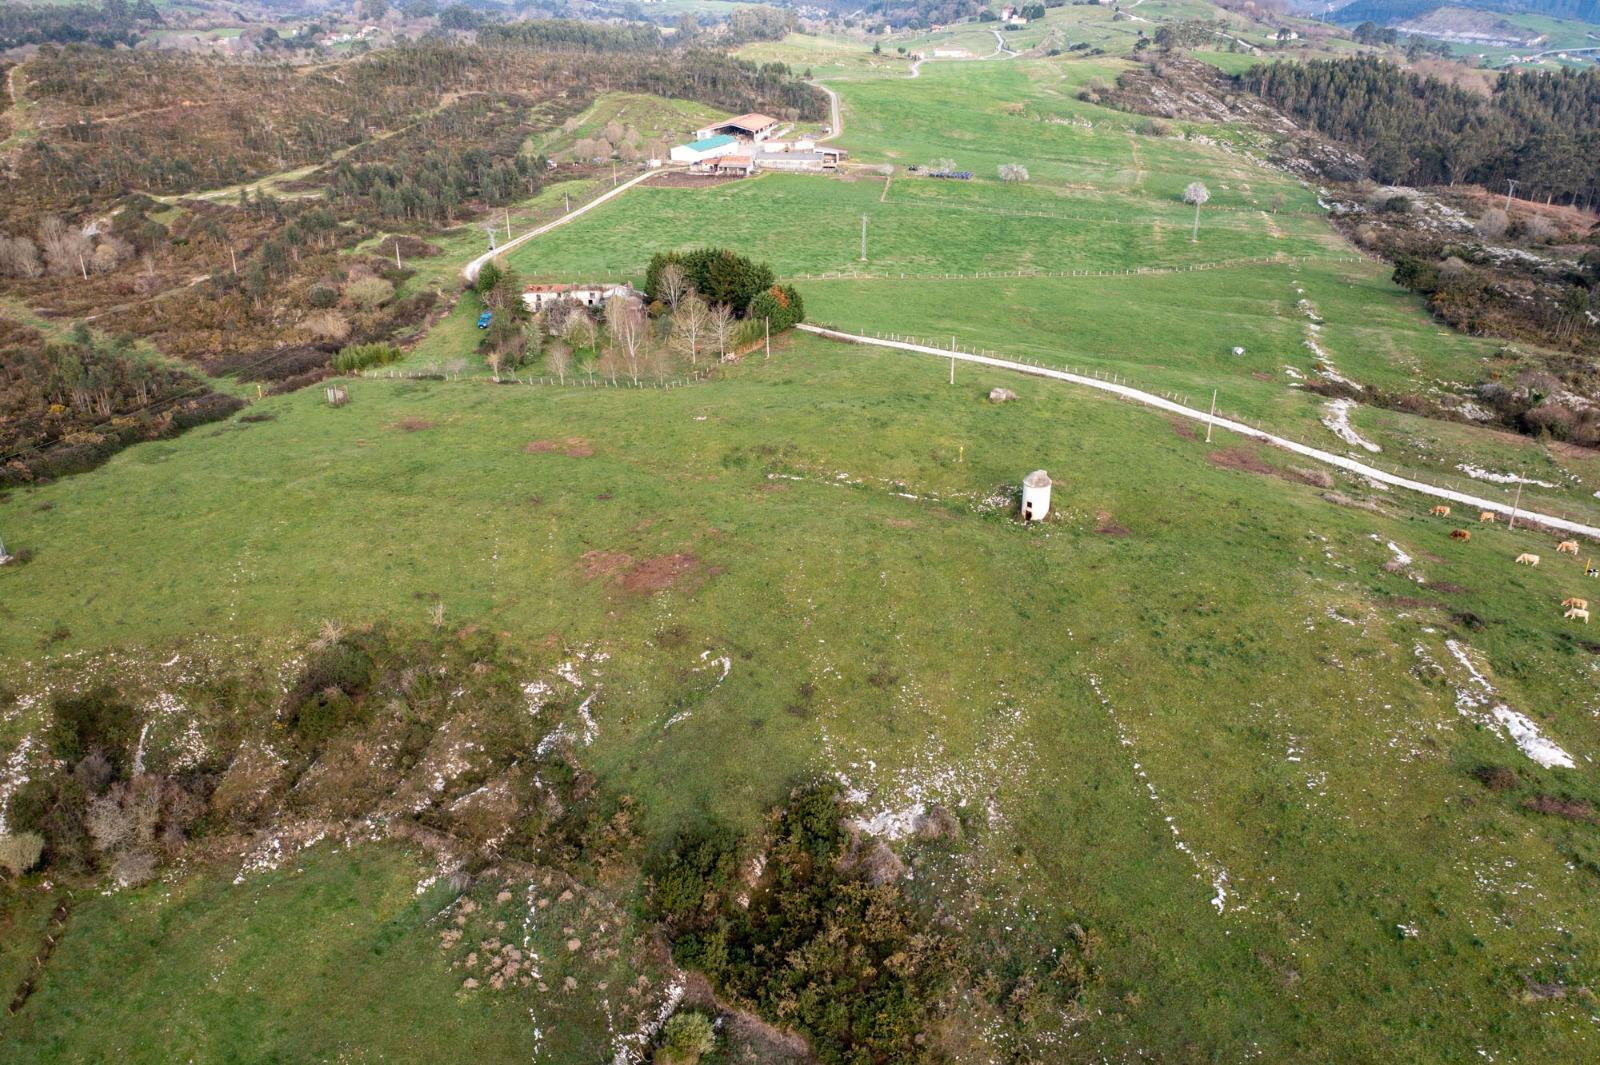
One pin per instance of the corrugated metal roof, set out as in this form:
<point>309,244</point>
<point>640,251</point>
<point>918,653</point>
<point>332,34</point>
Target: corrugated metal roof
<point>709,143</point>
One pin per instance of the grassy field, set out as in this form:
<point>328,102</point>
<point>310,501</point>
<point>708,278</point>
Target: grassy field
<point>1222,713</point>
<point>1271,699</point>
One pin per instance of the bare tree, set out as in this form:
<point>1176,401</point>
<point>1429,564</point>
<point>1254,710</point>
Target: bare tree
<point>1493,224</point>
<point>629,331</point>
<point>719,325</point>
<point>578,329</point>
<point>1196,194</point>
<point>558,356</point>
<point>66,249</point>
<point>19,257</point>
<point>689,326</point>
<point>1013,172</point>
<point>671,285</point>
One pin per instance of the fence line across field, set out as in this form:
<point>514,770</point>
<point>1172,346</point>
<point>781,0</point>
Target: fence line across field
<point>1135,271</point>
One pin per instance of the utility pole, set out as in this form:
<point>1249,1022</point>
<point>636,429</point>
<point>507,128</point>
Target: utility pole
<point>1515,503</point>
<point>863,238</point>
<point>952,360</point>
<point>567,199</point>
<point>397,265</point>
<point>1212,417</point>
<point>508,223</point>
<point>1511,186</point>
<point>234,259</point>
<point>767,325</point>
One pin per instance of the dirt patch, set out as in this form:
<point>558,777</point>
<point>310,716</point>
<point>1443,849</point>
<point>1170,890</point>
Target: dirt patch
<point>1184,428</point>
<point>1497,777</point>
<point>658,574</point>
<point>1106,525</point>
<point>1237,458</point>
<point>1234,458</point>
<point>677,179</point>
<point>602,563</point>
<point>1446,587</point>
<point>772,486</point>
<point>900,523</point>
<point>573,447</point>
<point>412,425</point>
<point>1571,809</point>
<point>1343,500</point>
<point>1573,451</point>
<point>1259,376</point>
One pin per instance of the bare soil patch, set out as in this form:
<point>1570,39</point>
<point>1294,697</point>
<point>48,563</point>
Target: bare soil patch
<point>1566,450</point>
<point>677,179</point>
<point>1235,458</point>
<point>573,447</point>
<point>1106,525</point>
<point>1571,809</point>
<point>412,425</point>
<point>1184,428</point>
<point>658,574</point>
<point>602,563</point>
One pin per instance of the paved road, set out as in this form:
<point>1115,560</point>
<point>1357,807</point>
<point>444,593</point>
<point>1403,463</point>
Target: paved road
<point>470,271</point>
<point>1147,399</point>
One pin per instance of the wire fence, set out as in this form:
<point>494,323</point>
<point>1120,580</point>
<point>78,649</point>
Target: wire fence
<point>1203,414</point>
<point>1133,271</point>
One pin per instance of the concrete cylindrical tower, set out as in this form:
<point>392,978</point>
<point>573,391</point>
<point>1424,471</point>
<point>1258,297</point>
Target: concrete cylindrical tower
<point>1035,496</point>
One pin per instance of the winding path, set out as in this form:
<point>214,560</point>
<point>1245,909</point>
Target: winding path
<point>1159,403</point>
<point>470,271</point>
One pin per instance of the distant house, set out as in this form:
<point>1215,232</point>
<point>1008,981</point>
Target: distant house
<point>733,165</point>
<point>750,127</point>
<point>705,148</point>
<point>589,294</point>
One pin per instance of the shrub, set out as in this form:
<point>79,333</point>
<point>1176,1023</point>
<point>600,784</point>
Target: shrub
<point>717,274</point>
<point>781,305</point>
<point>368,293</point>
<point>327,325</point>
<point>686,1037</point>
<point>95,720</point>
<point>21,852</point>
<point>327,697</point>
<point>361,356</point>
<point>322,297</point>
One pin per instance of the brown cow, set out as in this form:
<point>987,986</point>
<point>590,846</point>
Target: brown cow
<point>1486,516</point>
<point>1460,534</point>
<point>1441,511</point>
<point>1572,600</point>
<point>1567,547</point>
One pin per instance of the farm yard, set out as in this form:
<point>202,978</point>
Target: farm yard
<point>1315,778</point>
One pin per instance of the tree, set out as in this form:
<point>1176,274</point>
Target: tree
<point>720,327</point>
<point>629,331</point>
<point>578,329</point>
<point>558,357</point>
<point>19,257</point>
<point>1013,172</point>
<point>671,284</point>
<point>690,324</point>
<point>21,852</point>
<point>1196,194</point>
<point>1492,225</point>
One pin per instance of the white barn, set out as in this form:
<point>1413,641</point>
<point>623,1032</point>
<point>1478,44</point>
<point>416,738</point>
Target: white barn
<point>706,148</point>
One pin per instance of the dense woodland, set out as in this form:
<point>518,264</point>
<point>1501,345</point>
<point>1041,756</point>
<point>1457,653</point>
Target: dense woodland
<point>116,22</point>
<point>1541,129</point>
<point>165,124</point>
<point>68,405</point>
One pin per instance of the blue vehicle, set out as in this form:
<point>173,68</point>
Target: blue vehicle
<point>484,319</point>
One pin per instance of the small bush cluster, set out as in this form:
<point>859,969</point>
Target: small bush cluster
<point>364,356</point>
<point>819,947</point>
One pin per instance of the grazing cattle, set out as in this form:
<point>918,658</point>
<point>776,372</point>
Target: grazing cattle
<point>1441,511</point>
<point>1526,559</point>
<point>1581,615</point>
<point>1567,547</point>
<point>1486,515</point>
<point>1572,600</point>
<point>1460,534</point>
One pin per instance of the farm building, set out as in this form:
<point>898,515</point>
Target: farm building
<point>589,294</point>
<point>732,165</point>
<point>798,155</point>
<point>704,148</point>
<point>751,127</point>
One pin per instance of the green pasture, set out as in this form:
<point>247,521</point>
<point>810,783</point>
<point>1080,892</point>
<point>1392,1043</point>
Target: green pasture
<point>1263,672</point>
